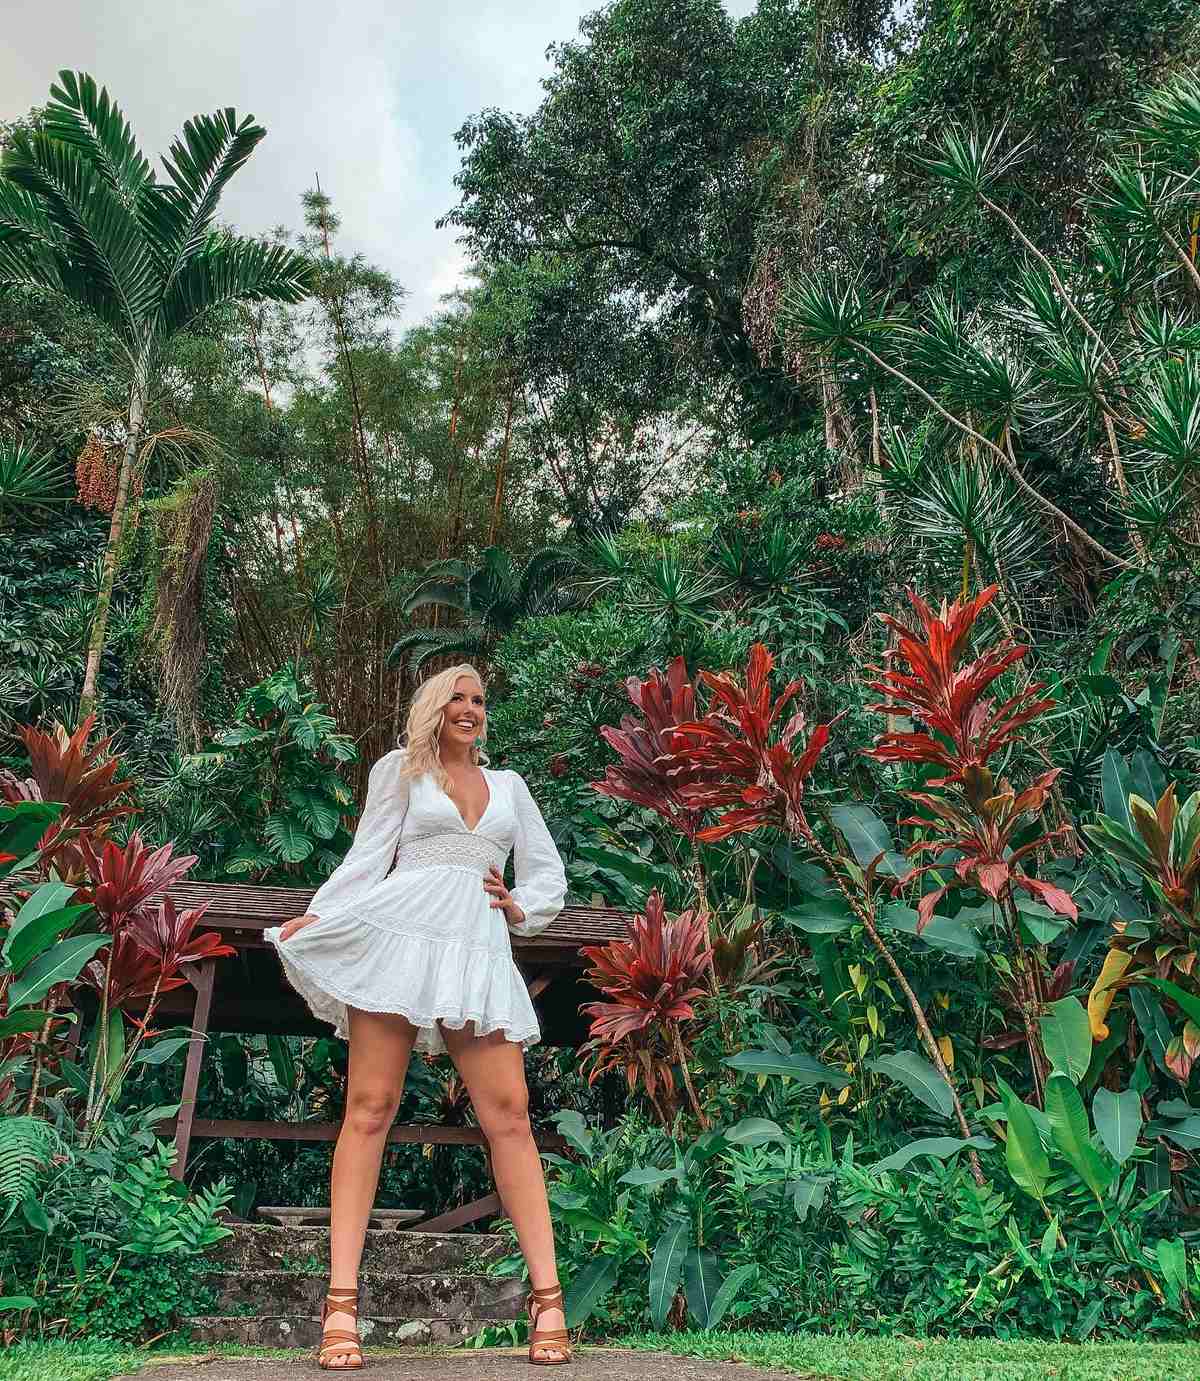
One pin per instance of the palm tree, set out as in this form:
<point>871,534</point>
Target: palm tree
<point>83,215</point>
<point>489,598</point>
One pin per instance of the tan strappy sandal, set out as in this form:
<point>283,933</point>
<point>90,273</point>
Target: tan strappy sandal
<point>547,1339</point>
<point>340,1342</point>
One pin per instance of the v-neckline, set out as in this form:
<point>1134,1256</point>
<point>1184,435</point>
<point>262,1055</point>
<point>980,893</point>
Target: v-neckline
<point>471,829</point>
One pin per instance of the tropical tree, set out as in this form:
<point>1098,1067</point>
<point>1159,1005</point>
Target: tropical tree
<point>83,215</point>
<point>490,598</point>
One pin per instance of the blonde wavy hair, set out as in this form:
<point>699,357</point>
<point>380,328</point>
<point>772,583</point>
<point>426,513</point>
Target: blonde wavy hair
<point>423,728</point>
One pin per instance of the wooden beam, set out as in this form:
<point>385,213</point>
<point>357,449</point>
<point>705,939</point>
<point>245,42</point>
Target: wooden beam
<point>201,976</point>
<point>538,984</point>
<point>486,1207</point>
<point>410,1134</point>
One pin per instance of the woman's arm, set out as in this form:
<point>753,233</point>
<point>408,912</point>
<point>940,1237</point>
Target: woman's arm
<point>541,882</point>
<point>375,837</point>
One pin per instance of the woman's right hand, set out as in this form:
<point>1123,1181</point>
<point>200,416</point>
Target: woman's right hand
<point>289,928</point>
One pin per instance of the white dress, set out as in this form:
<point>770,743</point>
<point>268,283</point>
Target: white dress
<point>421,938</point>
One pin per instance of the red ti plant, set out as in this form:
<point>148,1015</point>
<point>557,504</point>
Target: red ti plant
<point>64,768</point>
<point>643,746</point>
<point>151,941</point>
<point>744,746</point>
<point>651,980</point>
<point>966,809</point>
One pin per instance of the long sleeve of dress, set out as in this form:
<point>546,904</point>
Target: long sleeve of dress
<point>375,838</point>
<point>541,882</point>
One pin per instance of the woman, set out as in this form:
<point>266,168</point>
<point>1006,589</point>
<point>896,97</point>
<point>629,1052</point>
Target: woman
<point>407,944</point>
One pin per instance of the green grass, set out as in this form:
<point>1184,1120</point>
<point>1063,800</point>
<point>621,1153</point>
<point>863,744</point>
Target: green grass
<point>84,1361</point>
<point>952,1359</point>
<point>816,1357</point>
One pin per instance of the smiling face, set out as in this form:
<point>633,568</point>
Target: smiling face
<point>466,714</point>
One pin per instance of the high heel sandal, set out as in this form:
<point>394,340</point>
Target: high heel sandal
<point>340,1342</point>
<point>547,1339</point>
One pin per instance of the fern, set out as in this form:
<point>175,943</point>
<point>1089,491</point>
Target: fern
<point>27,1145</point>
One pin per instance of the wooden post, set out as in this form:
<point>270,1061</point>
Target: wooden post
<point>201,976</point>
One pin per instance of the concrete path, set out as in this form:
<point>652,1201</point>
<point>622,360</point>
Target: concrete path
<point>486,1364</point>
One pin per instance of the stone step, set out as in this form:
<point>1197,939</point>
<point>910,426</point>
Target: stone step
<point>304,1331</point>
<point>383,1294</point>
<point>261,1247</point>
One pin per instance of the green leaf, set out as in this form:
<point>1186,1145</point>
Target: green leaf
<point>1115,788</point>
<point>868,837</point>
<point>819,918</point>
<point>939,1147</point>
<point>287,838</point>
<point>1118,1118</point>
<point>1067,1037</point>
<point>160,1051</point>
<point>589,1288</point>
<point>36,936</point>
<point>1028,1163</point>
<point>647,1176</point>
<point>22,824</point>
<point>665,1268</point>
<point>317,813</point>
<point>919,1077</point>
<point>1153,1023</point>
<point>1187,1003</point>
<point>808,1194</point>
<point>283,1062</point>
<point>50,896</point>
<point>9,1303</point>
<point>953,934</point>
<point>573,1128</point>
<point>35,1215</point>
<point>728,1292</point>
<point>1069,1130</point>
<point>755,1131</point>
<point>1185,1133</point>
<point>27,1019</point>
<point>58,965</point>
<point>701,1282</point>
<point>806,1071</point>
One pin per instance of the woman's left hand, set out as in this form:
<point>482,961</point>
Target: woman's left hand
<point>501,897</point>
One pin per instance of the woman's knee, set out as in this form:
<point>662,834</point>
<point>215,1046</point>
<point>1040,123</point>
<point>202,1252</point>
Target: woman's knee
<point>370,1111</point>
<point>505,1116</point>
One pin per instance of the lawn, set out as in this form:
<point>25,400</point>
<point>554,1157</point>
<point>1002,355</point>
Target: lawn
<point>954,1359</point>
<point>817,1357</point>
<point>86,1361</point>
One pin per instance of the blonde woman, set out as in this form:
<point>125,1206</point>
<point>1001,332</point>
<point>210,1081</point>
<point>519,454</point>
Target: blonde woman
<point>408,945</point>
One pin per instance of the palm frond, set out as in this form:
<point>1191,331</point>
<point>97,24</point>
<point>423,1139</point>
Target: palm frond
<point>103,260</point>
<point>86,118</point>
<point>178,216</point>
<point>232,269</point>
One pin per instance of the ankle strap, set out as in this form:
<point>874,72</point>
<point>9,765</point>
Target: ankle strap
<point>546,1291</point>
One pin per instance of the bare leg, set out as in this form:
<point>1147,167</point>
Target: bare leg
<point>380,1046</point>
<point>493,1069</point>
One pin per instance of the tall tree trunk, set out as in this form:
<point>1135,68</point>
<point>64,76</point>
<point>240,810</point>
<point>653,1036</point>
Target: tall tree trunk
<point>137,418</point>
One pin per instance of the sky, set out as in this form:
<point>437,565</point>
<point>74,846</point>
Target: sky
<point>367,94</point>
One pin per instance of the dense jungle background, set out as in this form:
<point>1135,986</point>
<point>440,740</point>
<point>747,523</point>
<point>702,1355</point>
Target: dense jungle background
<point>769,324</point>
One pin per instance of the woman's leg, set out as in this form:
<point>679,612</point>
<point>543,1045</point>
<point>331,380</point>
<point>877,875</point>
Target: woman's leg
<point>380,1046</point>
<point>493,1069</point>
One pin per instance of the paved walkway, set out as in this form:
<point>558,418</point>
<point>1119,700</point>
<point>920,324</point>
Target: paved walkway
<point>486,1364</point>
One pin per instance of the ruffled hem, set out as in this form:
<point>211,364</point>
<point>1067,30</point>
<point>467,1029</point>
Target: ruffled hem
<point>328,1002</point>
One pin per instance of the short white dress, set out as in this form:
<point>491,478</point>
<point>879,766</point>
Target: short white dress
<point>404,925</point>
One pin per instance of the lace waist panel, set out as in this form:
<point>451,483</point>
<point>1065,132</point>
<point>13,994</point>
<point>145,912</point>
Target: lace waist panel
<point>453,849</point>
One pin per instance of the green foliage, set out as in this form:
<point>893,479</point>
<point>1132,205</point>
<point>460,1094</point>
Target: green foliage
<point>266,798</point>
<point>116,1245</point>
